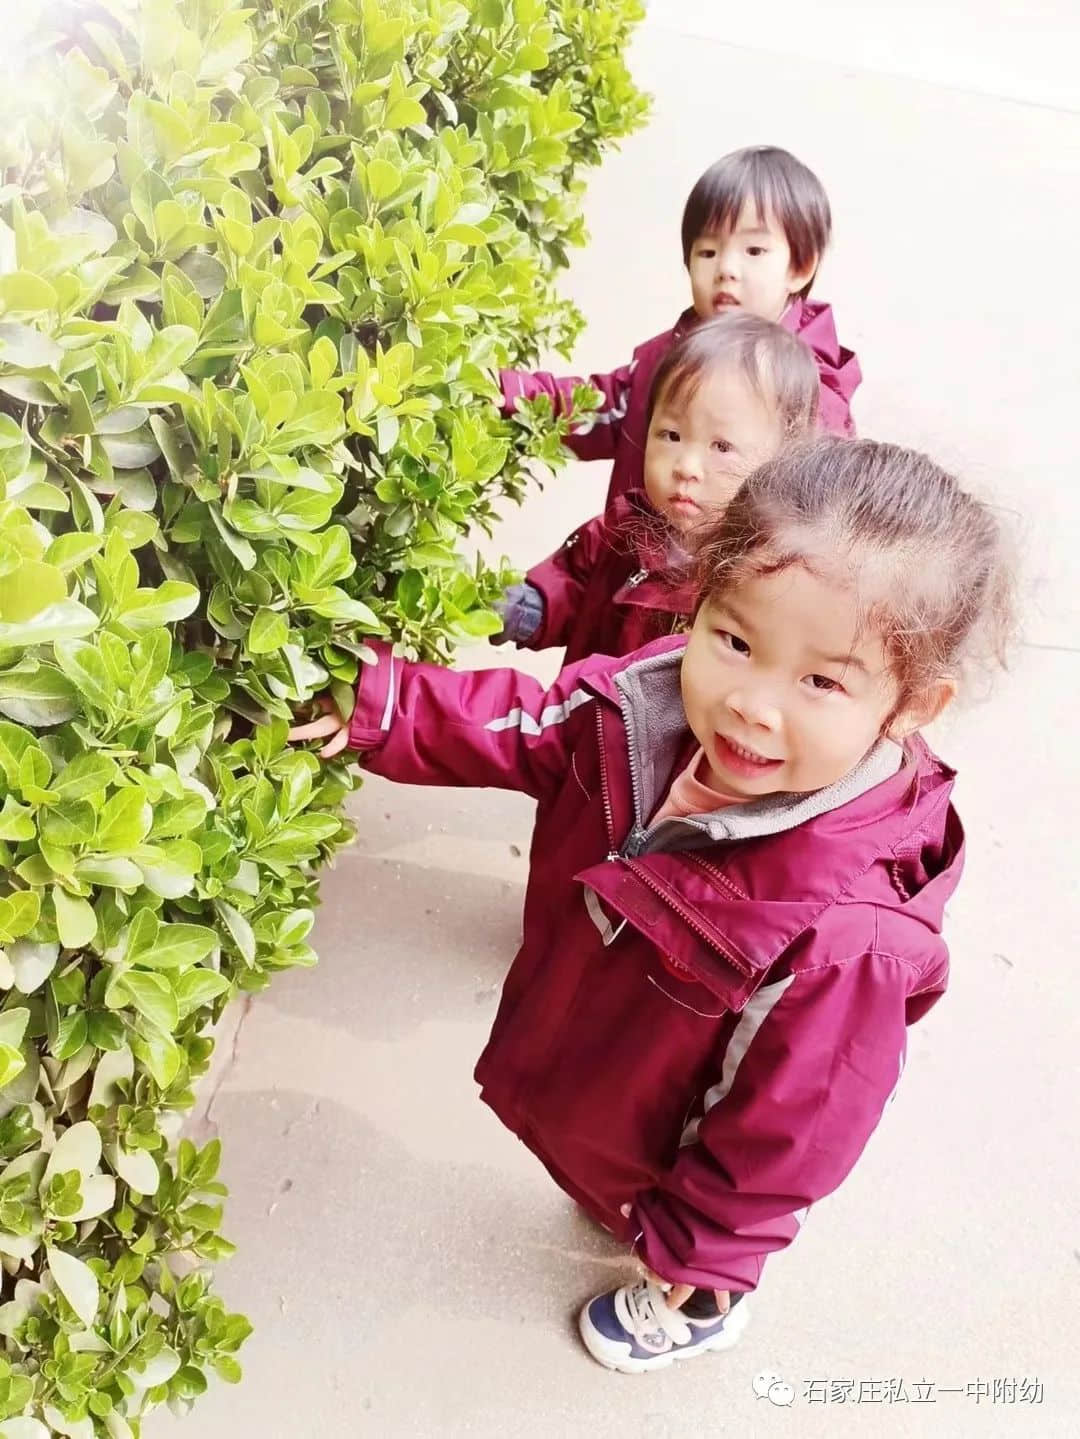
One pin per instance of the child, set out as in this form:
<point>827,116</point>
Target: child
<point>724,399</point>
<point>754,231</point>
<point>742,854</point>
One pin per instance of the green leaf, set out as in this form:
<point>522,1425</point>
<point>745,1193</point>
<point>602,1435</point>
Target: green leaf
<point>28,590</point>
<point>161,1055</point>
<point>113,871</point>
<point>32,963</point>
<point>405,112</point>
<point>78,1148</point>
<point>38,698</point>
<point>148,609</point>
<point>65,620</point>
<point>150,994</point>
<point>269,631</point>
<point>26,348</point>
<point>25,293</point>
<point>71,1035</point>
<point>125,820</point>
<point>169,870</point>
<point>383,178</point>
<point>198,987</point>
<point>76,921</point>
<point>173,946</point>
<point>135,1167</point>
<point>18,914</point>
<point>12,1064</point>
<point>70,552</point>
<point>76,1281</point>
<point>85,775</point>
<point>16,821</point>
<point>132,449</point>
<point>23,1428</point>
<point>13,1024</point>
<point>238,926</point>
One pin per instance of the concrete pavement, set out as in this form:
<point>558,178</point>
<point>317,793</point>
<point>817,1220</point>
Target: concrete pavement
<point>410,1269</point>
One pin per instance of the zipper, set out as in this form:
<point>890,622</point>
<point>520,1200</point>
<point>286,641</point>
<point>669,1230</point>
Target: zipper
<point>717,874</point>
<point>635,774</point>
<point>688,919</point>
<point>609,818</point>
<point>631,848</point>
<point>636,578</point>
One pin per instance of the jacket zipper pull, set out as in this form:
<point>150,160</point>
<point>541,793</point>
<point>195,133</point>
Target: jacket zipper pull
<point>612,854</point>
<point>636,579</point>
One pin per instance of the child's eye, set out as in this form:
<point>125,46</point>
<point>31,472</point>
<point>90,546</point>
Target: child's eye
<point>706,253</point>
<point>667,434</point>
<point>733,642</point>
<point>756,250</point>
<point>824,684</point>
<point>722,446</point>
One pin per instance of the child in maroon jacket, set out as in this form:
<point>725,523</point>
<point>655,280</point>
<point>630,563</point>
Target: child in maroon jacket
<point>723,401</point>
<point>754,231</point>
<point>742,856</point>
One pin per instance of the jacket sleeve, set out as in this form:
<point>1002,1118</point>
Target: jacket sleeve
<point>425,724</point>
<point>596,434</point>
<point>805,1077</point>
<point>561,581</point>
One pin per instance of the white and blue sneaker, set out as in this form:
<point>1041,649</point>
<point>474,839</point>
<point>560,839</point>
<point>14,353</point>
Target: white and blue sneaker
<point>632,1329</point>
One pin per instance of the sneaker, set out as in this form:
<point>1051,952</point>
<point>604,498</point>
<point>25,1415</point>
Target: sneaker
<point>631,1329</point>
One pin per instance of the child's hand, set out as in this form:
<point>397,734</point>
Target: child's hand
<point>330,726</point>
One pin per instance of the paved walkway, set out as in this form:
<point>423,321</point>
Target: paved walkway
<point>410,1269</point>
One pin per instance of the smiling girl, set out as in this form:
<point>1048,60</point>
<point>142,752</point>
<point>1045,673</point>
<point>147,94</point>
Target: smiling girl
<point>742,855</point>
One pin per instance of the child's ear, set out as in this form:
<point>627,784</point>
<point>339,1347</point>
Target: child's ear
<point>924,709</point>
<point>799,279</point>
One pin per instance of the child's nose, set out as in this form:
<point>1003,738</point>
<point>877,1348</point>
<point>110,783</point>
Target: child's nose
<point>689,464</point>
<point>754,706</point>
<point>727,262</point>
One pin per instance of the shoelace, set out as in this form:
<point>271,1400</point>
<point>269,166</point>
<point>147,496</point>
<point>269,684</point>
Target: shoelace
<point>649,1312</point>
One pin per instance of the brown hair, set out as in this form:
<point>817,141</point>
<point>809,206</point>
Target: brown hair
<point>778,366</point>
<point>779,185</point>
<point>928,560</point>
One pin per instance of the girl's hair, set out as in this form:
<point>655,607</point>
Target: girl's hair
<point>778,366</point>
<point>778,184</point>
<point>927,560</point>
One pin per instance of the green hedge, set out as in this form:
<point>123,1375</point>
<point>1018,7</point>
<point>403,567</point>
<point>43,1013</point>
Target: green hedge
<point>257,267</point>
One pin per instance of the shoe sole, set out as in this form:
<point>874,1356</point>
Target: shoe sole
<point>612,1355</point>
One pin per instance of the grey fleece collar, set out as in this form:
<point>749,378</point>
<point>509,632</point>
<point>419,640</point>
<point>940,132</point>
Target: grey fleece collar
<point>651,700</point>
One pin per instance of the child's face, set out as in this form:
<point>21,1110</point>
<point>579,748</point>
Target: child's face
<point>700,447</point>
<point>747,266</point>
<point>780,689</point>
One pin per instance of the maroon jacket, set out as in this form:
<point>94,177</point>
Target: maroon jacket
<point>707,1016</point>
<point>617,430</point>
<point>611,588</point>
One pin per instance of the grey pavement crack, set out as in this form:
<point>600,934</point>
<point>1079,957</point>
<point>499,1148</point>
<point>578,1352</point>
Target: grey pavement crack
<point>245,1003</point>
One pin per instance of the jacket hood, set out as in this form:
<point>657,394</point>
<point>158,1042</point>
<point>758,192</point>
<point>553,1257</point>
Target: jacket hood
<point>812,321</point>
